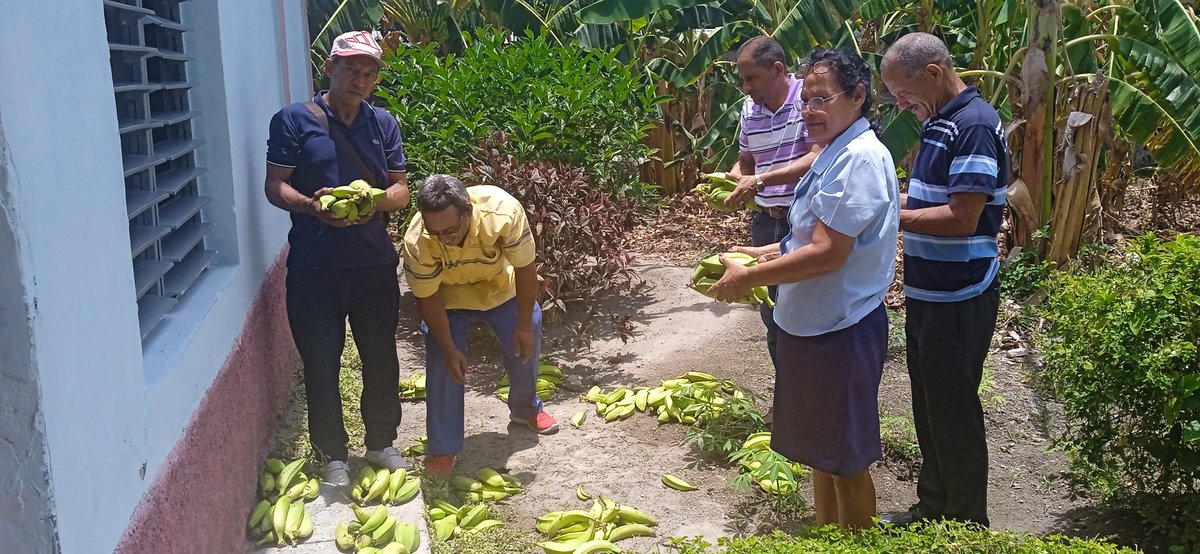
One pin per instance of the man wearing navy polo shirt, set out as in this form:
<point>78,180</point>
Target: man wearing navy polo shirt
<point>956,195</point>
<point>339,270</point>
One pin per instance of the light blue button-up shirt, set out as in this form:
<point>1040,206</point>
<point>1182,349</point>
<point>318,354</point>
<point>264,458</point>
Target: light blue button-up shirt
<point>852,189</point>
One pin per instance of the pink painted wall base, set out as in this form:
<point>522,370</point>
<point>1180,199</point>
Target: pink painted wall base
<point>202,497</point>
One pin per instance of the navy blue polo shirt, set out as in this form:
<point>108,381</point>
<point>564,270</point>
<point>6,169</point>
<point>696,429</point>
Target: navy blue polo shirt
<point>299,141</point>
<point>962,150</point>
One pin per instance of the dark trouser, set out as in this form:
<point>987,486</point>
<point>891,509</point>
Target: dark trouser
<point>765,230</point>
<point>318,303</point>
<point>947,344</point>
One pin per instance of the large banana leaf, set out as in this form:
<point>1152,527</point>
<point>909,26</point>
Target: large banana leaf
<point>1082,56</point>
<point>901,130</point>
<point>1151,124</point>
<point>811,23</point>
<point>329,18</point>
<point>1157,103</point>
<point>1180,38</point>
<point>700,63</point>
<point>612,11</point>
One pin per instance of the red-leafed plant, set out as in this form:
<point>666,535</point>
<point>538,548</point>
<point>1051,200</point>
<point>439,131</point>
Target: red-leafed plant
<point>578,227</point>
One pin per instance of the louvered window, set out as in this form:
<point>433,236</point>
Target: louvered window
<point>152,86</point>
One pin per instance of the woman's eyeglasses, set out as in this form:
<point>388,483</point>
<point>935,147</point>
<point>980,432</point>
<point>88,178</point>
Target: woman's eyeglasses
<point>817,103</point>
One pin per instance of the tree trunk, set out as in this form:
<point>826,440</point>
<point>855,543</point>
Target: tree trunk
<point>1037,100</point>
<point>1082,143</point>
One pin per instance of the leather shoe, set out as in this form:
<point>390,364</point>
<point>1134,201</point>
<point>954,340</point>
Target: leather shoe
<point>915,514</point>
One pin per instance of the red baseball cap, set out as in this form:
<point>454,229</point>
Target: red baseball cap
<point>357,43</point>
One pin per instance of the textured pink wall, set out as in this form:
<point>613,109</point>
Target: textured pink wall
<point>201,498</point>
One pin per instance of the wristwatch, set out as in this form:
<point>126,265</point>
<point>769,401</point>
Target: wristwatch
<point>758,183</point>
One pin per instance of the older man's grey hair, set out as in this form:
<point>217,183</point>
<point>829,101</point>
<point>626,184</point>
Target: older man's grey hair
<point>440,191</point>
<point>914,51</point>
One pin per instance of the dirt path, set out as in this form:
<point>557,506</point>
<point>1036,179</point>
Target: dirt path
<point>677,330</point>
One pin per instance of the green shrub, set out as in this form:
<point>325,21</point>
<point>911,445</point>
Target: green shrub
<point>555,103</point>
<point>940,537</point>
<point>1122,357</point>
<point>1023,275</point>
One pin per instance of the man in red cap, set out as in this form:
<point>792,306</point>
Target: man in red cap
<point>340,269</point>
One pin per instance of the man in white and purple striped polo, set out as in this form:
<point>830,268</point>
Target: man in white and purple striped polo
<point>774,151</point>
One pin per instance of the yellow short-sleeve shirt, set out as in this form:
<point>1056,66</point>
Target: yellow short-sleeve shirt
<point>479,274</point>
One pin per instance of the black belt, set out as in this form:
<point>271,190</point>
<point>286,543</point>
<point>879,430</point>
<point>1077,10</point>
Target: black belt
<point>777,212</point>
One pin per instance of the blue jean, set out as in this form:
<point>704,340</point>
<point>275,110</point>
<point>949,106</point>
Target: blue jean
<point>444,398</point>
<point>765,230</point>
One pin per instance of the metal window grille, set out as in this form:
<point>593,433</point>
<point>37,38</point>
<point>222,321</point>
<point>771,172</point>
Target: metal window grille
<point>153,91</point>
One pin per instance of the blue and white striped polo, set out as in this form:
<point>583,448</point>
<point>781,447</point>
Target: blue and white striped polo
<point>962,150</point>
<point>774,140</point>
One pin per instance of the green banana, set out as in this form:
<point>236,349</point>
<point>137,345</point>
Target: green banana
<point>628,514</point>
<point>594,395</point>
<point>677,483</point>
<point>340,209</point>
<point>641,398</point>
<point>284,482</point>
<point>407,535</point>
<point>279,516</point>
<point>378,195</point>
<point>342,536</point>
<point>623,532</point>
<point>465,484</point>
<point>366,477</point>
<point>345,192</point>
<point>383,534</point>
<point>266,482</point>
<point>275,465</point>
<point>694,376</point>
<point>397,479</point>
<point>360,185</point>
<point>260,511</point>
<point>485,524</point>
<point>372,523</point>
<point>369,550</point>
<point>491,477</point>
<point>312,489</point>
<point>407,491</point>
<point>444,528</point>
<point>306,526</point>
<point>596,545</point>
<point>578,419</point>
<point>582,494</point>
<point>295,515</point>
<point>473,516</point>
<point>378,486</point>
<point>445,506</point>
<point>297,489</point>
<point>395,548</point>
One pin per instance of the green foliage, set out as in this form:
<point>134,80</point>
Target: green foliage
<point>919,539</point>
<point>1122,357</point>
<point>723,429</point>
<point>562,104</point>
<point>1023,274</point>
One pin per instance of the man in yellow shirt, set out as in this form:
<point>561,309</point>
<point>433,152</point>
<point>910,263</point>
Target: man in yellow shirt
<point>468,257</point>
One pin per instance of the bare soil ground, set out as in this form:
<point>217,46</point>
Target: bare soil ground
<point>674,330</point>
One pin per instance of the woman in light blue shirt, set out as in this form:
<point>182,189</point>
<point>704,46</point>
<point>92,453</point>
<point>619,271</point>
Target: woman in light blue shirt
<point>833,270</point>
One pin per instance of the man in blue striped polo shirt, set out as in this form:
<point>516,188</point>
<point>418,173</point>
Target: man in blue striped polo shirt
<point>775,152</point>
<point>956,196</point>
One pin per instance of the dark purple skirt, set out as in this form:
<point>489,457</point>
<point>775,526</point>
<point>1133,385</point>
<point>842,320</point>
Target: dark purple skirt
<point>827,396</point>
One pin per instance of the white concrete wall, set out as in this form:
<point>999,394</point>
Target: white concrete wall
<point>112,410</point>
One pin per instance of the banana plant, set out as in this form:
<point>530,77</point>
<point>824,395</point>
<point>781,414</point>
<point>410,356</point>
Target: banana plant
<point>329,18</point>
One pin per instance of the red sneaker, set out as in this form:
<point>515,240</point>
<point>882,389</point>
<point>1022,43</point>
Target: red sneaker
<point>542,423</point>
<point>440,466</point>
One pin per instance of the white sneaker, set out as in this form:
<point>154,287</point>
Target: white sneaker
<point>388,457</point>
<point>337,474</point>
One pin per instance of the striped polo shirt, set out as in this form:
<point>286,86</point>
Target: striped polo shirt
<point>962,150</point>
<point>774,140</point>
